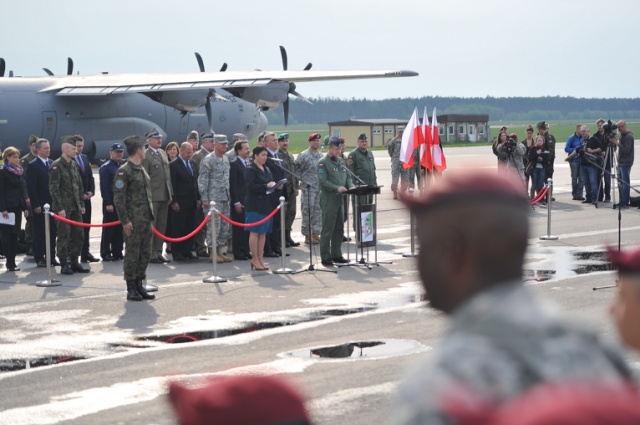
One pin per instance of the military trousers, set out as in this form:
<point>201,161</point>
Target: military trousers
<point>160,212</point>
<point>310,204</point>
<point>111,241</point>
<point>290,211</point>
<point>396,169</point>
<point>70,237</point>
<point>332,206</point>
<point>223,229</point>
<point>137,250</point>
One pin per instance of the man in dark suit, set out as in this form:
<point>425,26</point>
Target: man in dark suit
<point>238,191</point>
<point>38,189</point>
<point>89,185</point>
<point>274,164</point>
<point>185,201</point>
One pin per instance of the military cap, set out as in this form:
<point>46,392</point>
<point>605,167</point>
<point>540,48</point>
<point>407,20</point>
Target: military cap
<point>470,187</point>
<point>207,135</point>
<point>627,262</point>
<point>220,138</point>
<point>341,140</point>
<point>335,141</point>
<point>283,136</point>
<point>193,135</point>
<point>32,139</point>
<point>314,136</point>
<point>134,142</point>
<point>152,134</point>
<point>68,139</point>
<point>224,400</point>
<point>362,136</point>
<point>541,124</point>
<point>239,136</point>
<point>399,129</point>
<point>117,147</point>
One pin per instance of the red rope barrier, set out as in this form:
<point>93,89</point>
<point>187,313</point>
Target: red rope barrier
<point>257,223</point>
<point>183,238</point>
<point>540,196</point>
<point>77,223</point>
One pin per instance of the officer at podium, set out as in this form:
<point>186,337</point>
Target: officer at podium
<point>361,163</point>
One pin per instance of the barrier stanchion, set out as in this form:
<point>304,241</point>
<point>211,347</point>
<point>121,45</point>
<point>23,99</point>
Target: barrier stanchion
<point>47,239</point>
<point>413,238</point>
<point>214,278</point>
<point>283,269</point>
<point>549,236</point>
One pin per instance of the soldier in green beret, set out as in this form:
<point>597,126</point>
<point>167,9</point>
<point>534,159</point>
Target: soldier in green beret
<point>132,199</point>
<point>67,195</point>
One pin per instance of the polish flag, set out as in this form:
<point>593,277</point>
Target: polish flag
<point>439,161</point>
<point>426,147</point>
<point>410,140</point>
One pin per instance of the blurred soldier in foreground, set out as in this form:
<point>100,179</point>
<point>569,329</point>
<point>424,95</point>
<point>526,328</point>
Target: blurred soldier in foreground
<point>67,194</point>
<point>132,198</point>
<point>626,307</point>
<point>502,339</point>
<point>292,187</point>
<point>307,166</point>
<point>111,242</point>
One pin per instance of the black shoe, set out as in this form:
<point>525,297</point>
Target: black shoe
<point>143,291</point>
<point>203,254</point>
<point>79,268</point>
<point>156,260</point>
<point>607,200</point>
<point>191,256</point>
<point>553,199</point>
<point>587,201</point>
<point>179,257</point>
<point>345,239</point>
<point>13,269</point>
<point>163,259</point>
<point>41,263</point>
<point>616,206</point>
<point>340,260</point>
<point>327,263</point>
<point>89,258</point>
<point>55,263</point>
<point>119,257</point>
<point>66,267</point>
<point>109,258</point>
<point>578,198</point>
<point>270,254</point>
<point>240,257</point>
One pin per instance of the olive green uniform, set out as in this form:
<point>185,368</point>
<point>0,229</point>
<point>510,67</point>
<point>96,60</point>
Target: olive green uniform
<point>362,165</point>
<point>332,175</point>
<point>67,192</point>
<point>132,199</point>
<point>292,187</point>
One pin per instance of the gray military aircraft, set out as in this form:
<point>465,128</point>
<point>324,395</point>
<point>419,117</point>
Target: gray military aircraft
<point>106,108</point>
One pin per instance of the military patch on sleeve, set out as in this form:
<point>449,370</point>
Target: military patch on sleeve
<point>320,168</point>
<point>119,184</point>
<point>121,173</point>
<point>350,160</point>
<point>54,168</point>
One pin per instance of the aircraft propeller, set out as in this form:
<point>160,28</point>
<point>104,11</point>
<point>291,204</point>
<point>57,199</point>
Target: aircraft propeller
<point>69,68</point>
<point>3,65</point>
<point>292,86</point>
<point>212,92</point>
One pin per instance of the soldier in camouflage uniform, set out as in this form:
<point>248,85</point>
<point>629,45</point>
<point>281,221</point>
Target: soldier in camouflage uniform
<point>132,199</point>
<point>502,339</point>
<point>307,166</point>
<point>393,148</point>
<point>67,195</point>
<point>549,145</point>
<point>334,180</point>
<point>24,162</point>
<point>293,187</point>
<point>213,184</point>
<point>231,154</point>
<point>206,141</point>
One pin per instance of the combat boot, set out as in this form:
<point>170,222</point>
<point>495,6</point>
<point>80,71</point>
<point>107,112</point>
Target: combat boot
<point>142,291</point>
<point>77,267</point>
<point>307,240</point>
<point>395,194</point>
<point>315,239</point>
<point>132,293</point>
<point>290,242</point>
<point>65,266</point>
<point>222,256</point>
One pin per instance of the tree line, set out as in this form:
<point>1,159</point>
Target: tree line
<point>553,108</point>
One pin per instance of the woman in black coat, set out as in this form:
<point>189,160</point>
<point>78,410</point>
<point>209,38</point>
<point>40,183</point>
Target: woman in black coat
<point>258,180</point>
<point>12,201</point>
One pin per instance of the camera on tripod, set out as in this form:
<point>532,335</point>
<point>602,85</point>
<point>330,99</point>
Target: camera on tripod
<point>610,129</point>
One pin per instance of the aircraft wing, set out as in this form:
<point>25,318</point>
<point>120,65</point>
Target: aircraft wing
<point>104,84</point>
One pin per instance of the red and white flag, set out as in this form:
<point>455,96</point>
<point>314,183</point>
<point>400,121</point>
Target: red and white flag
<point>410,140</point>
<point>426,146</point>
<point>439,161</point>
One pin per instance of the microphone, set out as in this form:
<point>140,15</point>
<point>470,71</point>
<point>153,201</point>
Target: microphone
<point>275,159</point>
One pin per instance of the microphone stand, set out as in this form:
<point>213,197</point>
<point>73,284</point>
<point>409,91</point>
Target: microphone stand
<point>311,267</point>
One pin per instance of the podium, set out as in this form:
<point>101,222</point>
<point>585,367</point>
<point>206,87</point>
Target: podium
<point>365,221</point>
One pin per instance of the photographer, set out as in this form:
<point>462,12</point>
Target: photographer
<point>537,162</point>
<point>604,191</point>
<point>512,152</point>
<point>591,157</point>
<point>625,158</point>
<point>577,183</point>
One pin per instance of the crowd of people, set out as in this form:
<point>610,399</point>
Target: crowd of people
<point>590,156</point>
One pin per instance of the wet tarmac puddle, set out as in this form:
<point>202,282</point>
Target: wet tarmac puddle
<point>360,350</point>
<point>11,365</point>
<point>561,263</point>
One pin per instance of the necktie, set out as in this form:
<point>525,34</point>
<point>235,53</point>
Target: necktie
<point>80,163</point>
<point>189,166</point>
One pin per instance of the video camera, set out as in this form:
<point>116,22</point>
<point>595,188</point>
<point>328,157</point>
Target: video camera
<point>510,145</point>
<point>610,129</point>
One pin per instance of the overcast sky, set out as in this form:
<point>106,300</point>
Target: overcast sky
<point>582,48</point>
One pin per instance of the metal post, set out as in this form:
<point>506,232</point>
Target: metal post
<point>47,241</point>
<point>214,241</point>
<point>413,242</point>
<point>283,269</point>
<point>549,236</point>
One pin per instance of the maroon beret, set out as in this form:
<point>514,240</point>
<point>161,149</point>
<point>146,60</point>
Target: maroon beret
<point>625,261</point>
<point>238,400</point>
<point>314,136</point>
<point>465,187</point>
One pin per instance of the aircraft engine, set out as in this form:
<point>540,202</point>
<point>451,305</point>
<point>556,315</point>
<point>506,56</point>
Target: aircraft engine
<point>182,100</point>
<point>269,96</point>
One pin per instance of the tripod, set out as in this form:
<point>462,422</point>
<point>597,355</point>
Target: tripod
<point>608,156</point>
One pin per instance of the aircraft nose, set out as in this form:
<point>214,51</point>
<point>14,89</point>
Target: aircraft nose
<point>263,123</point>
